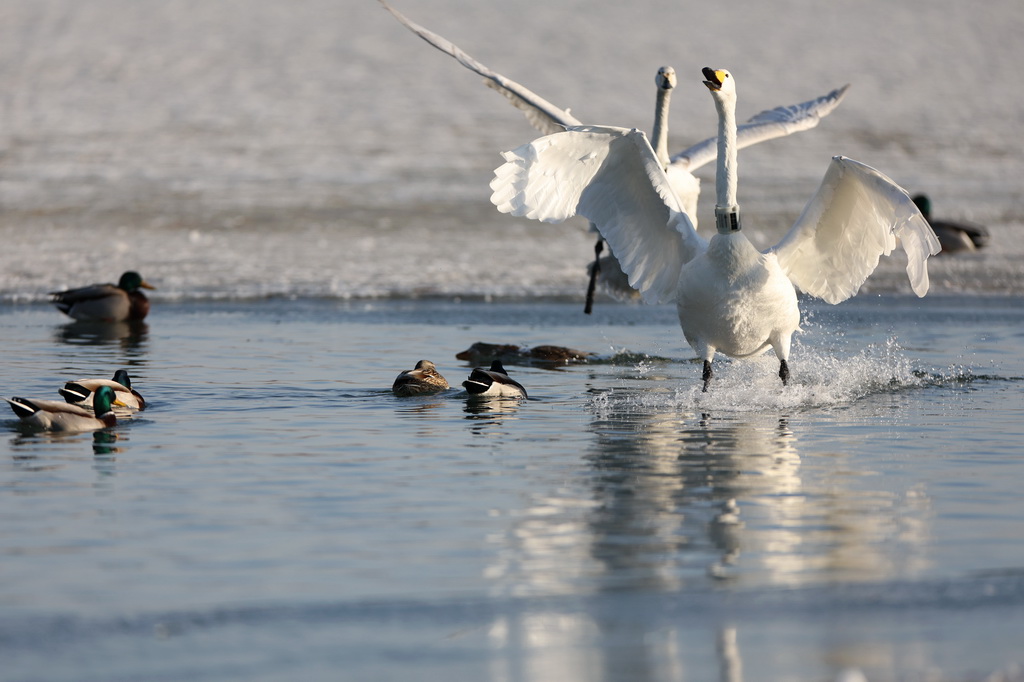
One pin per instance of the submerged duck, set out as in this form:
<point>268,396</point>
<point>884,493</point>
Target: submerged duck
<point>954,236</point>
<point>424,379</point>
<point>53,415</point>
<point>82,391</point>
<point>106,302</point>
<point>481,352</point>
<point>493,382</point>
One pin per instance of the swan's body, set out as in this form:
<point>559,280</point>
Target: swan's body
<point>424,379</point>
<point>493,383</point>
<point>954,235</point>
<point>53,415</point>
<point>82,391</point>
<point>679,168</point>
<point>730,297</point>
<point>106,302</point>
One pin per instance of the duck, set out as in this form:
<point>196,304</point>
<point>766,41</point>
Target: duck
<point>424,379</point>
<point>53,415</point>
<point>82,391</point>
<point>106,302</point>
<point>493,383</point>
<point>548,119</point>
<point>730,297</point>
<point>544,354</point>
<point>955,236</point>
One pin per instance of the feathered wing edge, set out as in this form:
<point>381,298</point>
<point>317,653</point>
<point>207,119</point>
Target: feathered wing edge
<point>612,177</point>
<point>856,216</point>
<point>767,125</point>
<point>542,114</point>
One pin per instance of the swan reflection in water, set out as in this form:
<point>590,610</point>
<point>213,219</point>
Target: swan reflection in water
<point>679,504</point>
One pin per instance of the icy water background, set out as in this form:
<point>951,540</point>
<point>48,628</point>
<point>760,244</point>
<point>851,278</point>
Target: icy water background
<point>306,183</point>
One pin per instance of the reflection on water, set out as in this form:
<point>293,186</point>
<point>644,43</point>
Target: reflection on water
<point>130,335</point>
<point>677,501</point>
<point>103,443</point>
<point>489,416</point>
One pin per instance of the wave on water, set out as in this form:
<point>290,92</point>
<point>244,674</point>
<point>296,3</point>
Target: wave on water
<point>820,378</point>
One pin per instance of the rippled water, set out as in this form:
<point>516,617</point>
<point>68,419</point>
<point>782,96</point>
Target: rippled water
<point>276,511</point>
<point>306,183</point>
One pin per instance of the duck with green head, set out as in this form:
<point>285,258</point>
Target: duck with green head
<point>954,235</point>
<point>82,391</point>
<point>53,415</point>
<point>106,302</point>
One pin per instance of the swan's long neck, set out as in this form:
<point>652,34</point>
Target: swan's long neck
<point>727,210</point>
<point>659,136</point>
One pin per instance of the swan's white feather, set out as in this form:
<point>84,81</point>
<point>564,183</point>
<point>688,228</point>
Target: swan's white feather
<point>767,125</point>
<point>729,296</point>
<point>612,177</point>
<point>542,114</point>
<point>856,216</point>
<point>548,118</point>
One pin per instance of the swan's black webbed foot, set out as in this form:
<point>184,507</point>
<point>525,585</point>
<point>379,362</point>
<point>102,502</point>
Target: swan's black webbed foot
<point>595,270</point>
<point>784,372</point>
<point>707,375</point>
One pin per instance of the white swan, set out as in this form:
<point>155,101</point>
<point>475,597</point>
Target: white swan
<point>547,118</point>
<point>730,297</point>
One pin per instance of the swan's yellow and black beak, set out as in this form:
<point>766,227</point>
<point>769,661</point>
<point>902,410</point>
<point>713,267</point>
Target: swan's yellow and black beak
<point>714,78</point>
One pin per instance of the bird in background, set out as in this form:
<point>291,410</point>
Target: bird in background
<point>106,302</point>
<point>954,235</point>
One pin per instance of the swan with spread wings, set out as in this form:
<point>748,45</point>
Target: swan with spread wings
<point>679,168</point>
<point>731,298</point>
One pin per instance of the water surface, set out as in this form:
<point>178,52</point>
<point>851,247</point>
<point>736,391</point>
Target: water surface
<point>276,498</point>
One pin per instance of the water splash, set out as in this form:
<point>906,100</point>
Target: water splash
<point>821,377</point>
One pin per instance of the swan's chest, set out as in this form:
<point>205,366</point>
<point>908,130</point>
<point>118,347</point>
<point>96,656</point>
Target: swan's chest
<point>735,297</point>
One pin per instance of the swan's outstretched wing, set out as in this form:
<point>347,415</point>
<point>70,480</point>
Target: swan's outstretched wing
<point>542,114</point>
<point>612,177</point>
<point>767,125</point>
<point>855,217</point>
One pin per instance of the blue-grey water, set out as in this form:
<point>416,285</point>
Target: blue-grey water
<point>306,183</point>
<point>276,512</point>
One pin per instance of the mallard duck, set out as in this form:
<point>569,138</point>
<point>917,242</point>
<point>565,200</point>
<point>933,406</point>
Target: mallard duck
<point>53,415</point>
<point>493,382</point>
<point>424,379</point>
<point>106,302</point>
<point>730,297</point>
<point>954,236</point>
<point>81,391</point>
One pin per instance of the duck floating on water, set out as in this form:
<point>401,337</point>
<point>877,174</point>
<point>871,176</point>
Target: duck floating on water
<point>53,415</point>
<point>955,236</point>
<point>82,391</point>
<point>424,379</point>
<point>493,383</point>
<point>106,302</point>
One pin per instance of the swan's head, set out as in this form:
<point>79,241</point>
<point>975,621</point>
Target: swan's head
<point>719,80</point>
<point>666,78</point>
